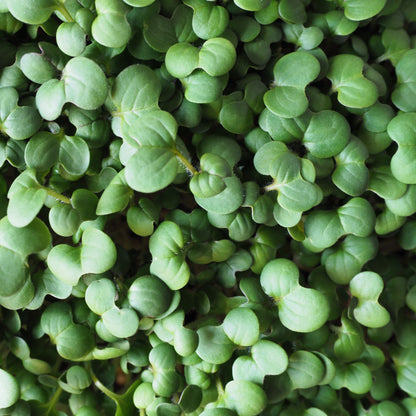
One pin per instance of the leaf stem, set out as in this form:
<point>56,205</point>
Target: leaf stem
<point>272,187</point>
<point>188,165</point>
<point>103,388</point>
<point>57,195</point>
<point>64,11</point>
<point>220,388</point>
<point>53,401</point>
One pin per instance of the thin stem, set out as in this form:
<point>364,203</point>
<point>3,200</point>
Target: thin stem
<point>272,187</point>
<point>57,195</point>
<point>54,400</point>
<point>64,11</point>
<point>103,388</point>
<point>220,388</point>
<point>188,165</point>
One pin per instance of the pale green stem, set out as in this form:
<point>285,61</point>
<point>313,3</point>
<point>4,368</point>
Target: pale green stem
<point>64,11</point>
<point>220,388</point>
<point>185,162</point>
<point>104,389</point>
<point>57,195</point>
<point>272,187</point>
<point>53,401</point>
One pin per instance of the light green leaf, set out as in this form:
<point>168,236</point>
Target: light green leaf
<point>85,83</point>
<point>217,56</point>
<point>367,287</point>
<point>214,346</point>
<point>98,252</point>
<point>292,73</point>
<point>327,134</point>
<point>356,10</point>
<point>270,357</point>
<point>10,389</point>
<point>346,75</point>
<point>245,397</point>
<point>151,169</point>
<point>242,326</point>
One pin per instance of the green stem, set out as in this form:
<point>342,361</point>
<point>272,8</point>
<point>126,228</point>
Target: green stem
<point>57,195</point>
<point>64,11</point>
<point>220,388</point>
<point>54,400</point>
<point>272,187</point>
<point>185,162</point>
<point>104,389</point>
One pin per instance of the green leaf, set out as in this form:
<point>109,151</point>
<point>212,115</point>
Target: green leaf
<point>98,252</point>
<point>154,128</point>
<point>116,196</point>
<point>64,219</point>
<point>357,217</point>
<point>149,296</point>
<point>122,323</point>
<point>327,134</point>
<point>209,20</point>
<point>71,38</point>
<point>111,28</point>
<point>227,201</point>
<point>270,357</point>
<point>299,195</point>
<point>292,11</point>
<point>74,155</point>
<point>181,59</point>
<point>367,287</point>
<point>214,346</point>
<point>100,296</point>
<point>10,389</point>
<point>168,262</point>
<point>356,377</point>
<point>350,343</point>
<point>346,75</point>
<point>405,364</point>
<point>85,83</point>
<point>65,263</point>
<point>136,89</point>
<point>344,262</point>
<point>13,272</point>
<point>300,309</point>
<point>22,123</point>
<point>159,33</point>
<point>245,397</point>
<point>33,238</point>
<point>356,10</point>
<point>383,183</point>
<point>242,326</point>
<point>50,98</point>
<point>403,94</point>
<point>151,169</point>
<point>141,219</point>
<point>292,74</point>
<point>305,369</point>
<point>42,151</point>
<point>217,56</point>
<point>190,398</point>
<point>322,229</point>
<point>202,88</point>
<point>26,199</point>
<point>32,12</point>
<point>351,175</point>
<point>303,310</point>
